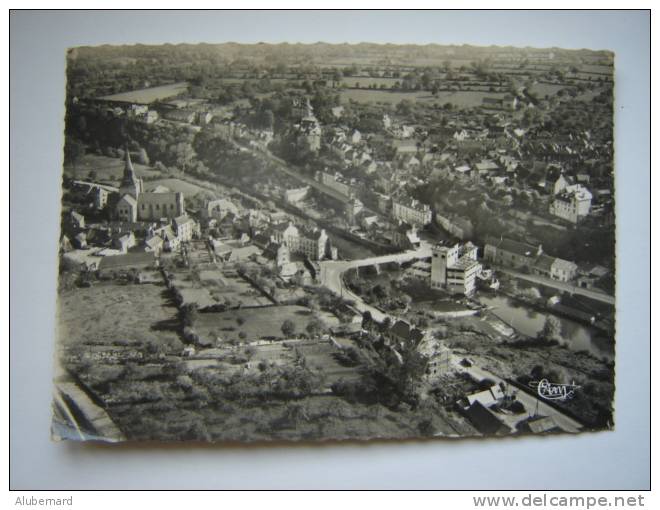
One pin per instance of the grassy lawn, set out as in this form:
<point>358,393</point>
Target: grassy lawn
<point>217,286</point>
<point>322,358</point>
<point>146,96</point>
<point>109,312</point>
<point>107,169</point>
<point>174,184</point>
<point>256,323</point>
<point>461,99</point>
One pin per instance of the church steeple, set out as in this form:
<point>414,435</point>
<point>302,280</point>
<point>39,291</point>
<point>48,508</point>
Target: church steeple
<point>130,184</point>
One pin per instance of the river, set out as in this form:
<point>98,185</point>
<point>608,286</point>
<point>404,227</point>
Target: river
<point>529,322</point>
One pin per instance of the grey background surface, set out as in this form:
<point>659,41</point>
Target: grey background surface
<point>610,460</point>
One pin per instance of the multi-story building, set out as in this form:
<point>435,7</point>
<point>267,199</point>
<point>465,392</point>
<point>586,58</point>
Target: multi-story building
<point>411,211</point>
<point>336,182</point>
<point>455,268</point>
<point>523,256</point>
<point>572,204</point>
<point>312,244</point>
<point>514,254</point>
<point>184,227</point>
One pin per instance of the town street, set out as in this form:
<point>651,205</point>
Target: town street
<point>331,275</point>
<point>564,287</point>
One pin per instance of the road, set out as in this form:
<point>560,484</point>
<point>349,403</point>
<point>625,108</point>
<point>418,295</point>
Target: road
<point>331,272</point>
<point>564,287</point>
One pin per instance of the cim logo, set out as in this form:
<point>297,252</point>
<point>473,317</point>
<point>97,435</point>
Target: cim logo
<point>554,391</point>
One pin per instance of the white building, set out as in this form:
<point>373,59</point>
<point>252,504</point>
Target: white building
<point>455,268</point>
<point>411,211</point>
<point>572,204</point>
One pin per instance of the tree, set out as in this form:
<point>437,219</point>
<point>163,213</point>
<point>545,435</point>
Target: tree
<point>315,326</point>
<point>551,329</point>
<point>288,328</point>
<point>74,149</point>
<point>143,158</point>
<point>189,314</point>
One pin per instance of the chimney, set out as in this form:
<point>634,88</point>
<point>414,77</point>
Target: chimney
<point>540,250</point>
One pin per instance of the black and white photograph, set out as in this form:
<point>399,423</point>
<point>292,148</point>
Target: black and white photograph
<point>309,242</point>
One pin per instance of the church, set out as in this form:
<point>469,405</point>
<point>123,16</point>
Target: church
<point>135,204</point>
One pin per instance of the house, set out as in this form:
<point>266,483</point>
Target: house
<point>411,162</point>
<point>507,102</point>
<point>463,172</point>
<point>487,397</point>
<point>412,211</point>
<point>314,244</point>
<point>355,136</point>
<point>337,112</point>
<point>124,242</point>
<point>65,244</point>
<point>485,421</point>
<point>296,195</point>
<point>154,244</point>
<point>517,255</point>
<point>76,221</point>
<point>100,197</point>
<point>509,253</point>
<point>456,226</point>
<point>80,241</point>
<point>279,253</point>
<point>563,270</point>
<point>171,242</point>
<point>369,221</point>
<point>180,115</point>
<point>337,182</point>
<point>403,147</point>
<point>184,228</point>
<point>218,209</point>
<point>572,204</point>
<point>402,333</point>
<point>405,237</point>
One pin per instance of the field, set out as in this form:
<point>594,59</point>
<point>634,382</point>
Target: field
<point>256,323</point>
<point>460,99</point>
<point>90,315</point>
<point>217,287</point>
<point>546,89</point>
<point>107,169</point>
<point>148,96</point>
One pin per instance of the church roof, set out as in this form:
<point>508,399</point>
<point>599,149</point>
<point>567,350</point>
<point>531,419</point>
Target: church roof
<point>130,199</point>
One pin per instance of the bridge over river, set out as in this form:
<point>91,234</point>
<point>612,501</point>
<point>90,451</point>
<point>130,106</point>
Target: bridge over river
<point>332,270</point>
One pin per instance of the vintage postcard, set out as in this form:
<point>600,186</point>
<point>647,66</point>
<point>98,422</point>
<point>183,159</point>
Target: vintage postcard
<point>312,242</point>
